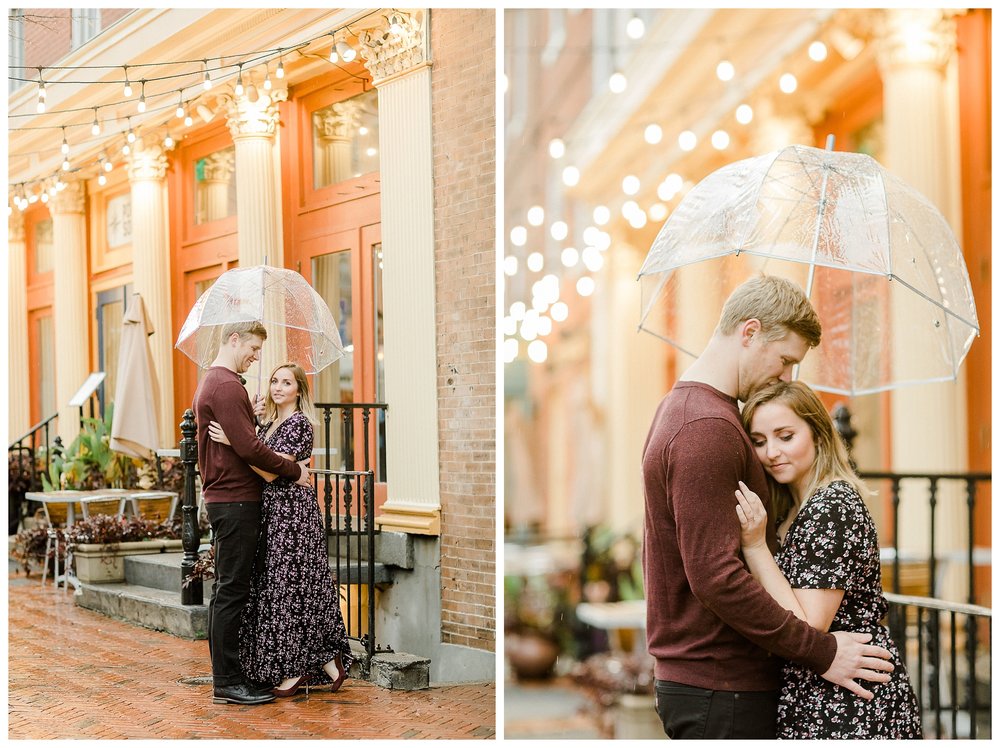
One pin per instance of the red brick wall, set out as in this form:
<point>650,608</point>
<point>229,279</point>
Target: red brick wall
<point>463,98</point>
<point>48,33</point>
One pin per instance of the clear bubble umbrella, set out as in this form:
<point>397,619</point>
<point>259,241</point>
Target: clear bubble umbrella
<point>297,319</point>
<point>877,259</point>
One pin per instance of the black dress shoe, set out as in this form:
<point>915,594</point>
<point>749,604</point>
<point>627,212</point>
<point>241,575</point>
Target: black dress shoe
<point>240,693</point>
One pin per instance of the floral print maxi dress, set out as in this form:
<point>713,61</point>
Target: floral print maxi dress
<point>832,544</point>
<point>292,624</point>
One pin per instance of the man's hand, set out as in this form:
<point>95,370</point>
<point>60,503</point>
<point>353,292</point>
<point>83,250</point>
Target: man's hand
<point>304,479</point>
<point>857,659</point>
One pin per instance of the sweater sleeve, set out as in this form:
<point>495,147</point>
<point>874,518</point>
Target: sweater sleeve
<point>707,459</point>
<point>237,421</point>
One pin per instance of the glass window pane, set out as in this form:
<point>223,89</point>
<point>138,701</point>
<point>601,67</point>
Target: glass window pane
<point>199,288</point>
<point>332,280</point>
<point>110,320</point>
<point>43,246</point>
<point>47,364</point>
<point>119,220</point>
<point>215,186</point>
<point>345,139</point>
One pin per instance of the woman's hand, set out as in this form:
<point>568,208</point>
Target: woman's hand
<point>258,406</point>
<point>753,517</point>
<point>216,434</point>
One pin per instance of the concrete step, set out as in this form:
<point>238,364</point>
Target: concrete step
<point>146,606</point>
<point>162,610</point>
<point>391,548</point>
<point>162,571</point>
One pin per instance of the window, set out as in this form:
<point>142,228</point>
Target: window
<point>86,24</point>
<point>345,140</point>
<point>43,246</point>
<point>111,306</point>
<point>215,186</point>
<point>119,220</point>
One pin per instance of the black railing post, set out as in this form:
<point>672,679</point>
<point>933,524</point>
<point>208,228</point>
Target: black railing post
<point>192,594</point>
<point>932,503</point>
<point>842,422</point>
<point>370,530</point>
<point>366,416</point>
<point>895,535</point>
<point>970,497</point>
<point>347,531</point>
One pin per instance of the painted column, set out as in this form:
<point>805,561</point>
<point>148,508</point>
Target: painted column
<point>218,175</point>
<point>71,311</point>
<point>401,68</point>
<point>18,392</point>
<point>253,125</point>
<point>928,421</point>
<point>147,169</point>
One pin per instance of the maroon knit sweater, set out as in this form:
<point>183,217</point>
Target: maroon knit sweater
<point>709,623</point>
<point>225,470</point>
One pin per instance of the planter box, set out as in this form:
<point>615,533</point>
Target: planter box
<point>99,564</point>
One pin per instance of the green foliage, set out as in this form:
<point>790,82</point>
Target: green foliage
<point>89,462</point>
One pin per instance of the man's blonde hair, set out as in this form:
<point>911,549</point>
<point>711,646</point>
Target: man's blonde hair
<point>779,305</point>
<point>244,330</point>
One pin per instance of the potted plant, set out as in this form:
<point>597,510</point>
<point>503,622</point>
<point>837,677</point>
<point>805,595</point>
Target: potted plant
<point>101,543</point>
<point>539,622</point>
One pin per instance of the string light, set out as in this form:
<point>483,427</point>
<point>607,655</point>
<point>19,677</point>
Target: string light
<point>744,114</point>
<point>687,140</point>
<point>95,129</point>
<point>635,28</point>
<point>617,82</point>
<point>720,140</point>
<point>817,51</point>
<point>168,142</point>
<point>653,134</point>
<point>65,144</point>
<point>267,78</point>
<point>557,149</point>
<point>280,72</point>
<point>207,80</point>
<point>188,120</point>
<point>347,52</point>
<point>725,71</point>
<point>131,133</point>
<point>239,81</point>
<point>571,176</point>
<point>41,93</point>
<point>180,104</point>
<point>788,83</point>
<point>126,149</point>
<point>334,57</point>
<point>128,86</point>
<point>142,96</point>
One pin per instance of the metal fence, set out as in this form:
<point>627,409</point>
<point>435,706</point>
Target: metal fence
<point>947,650</point>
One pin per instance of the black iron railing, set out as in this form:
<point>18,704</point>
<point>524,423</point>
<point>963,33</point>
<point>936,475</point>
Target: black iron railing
<point>348,499</point>
<point>338,441</point>
<point>947,650</point>
<point>28,445</point>
<point>933,482</point>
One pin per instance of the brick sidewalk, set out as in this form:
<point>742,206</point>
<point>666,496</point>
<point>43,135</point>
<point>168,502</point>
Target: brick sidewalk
<point>74,673</point>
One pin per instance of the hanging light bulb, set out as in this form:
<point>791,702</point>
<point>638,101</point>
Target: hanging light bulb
<point>45,197</point>
<point>788,83</point>
<point>131,132</point>
<point>687,140</point>
<point>617,82</point>
<point>744,114</point>
<point>347,52</point>
<point>280,72</point>
<point>142,96</point>
<point>653,134</point>
<point>107,165</point>
<point>267,78</point>
<point>720,140</point>
<point>725,70</point>
<point>102,180</point>
<point>126,149</point>
<point>65,145</point>
<point>65,164</point>
<point>239,81</point>
<point>128,86</point>
<point>41,92</point>
<point>334,57</point>
<point>168,142</point>
<point>635,27</point>
<point>95,129</point>
<point>571,176</point>
<point>557,149</point>
<point>817,51</point>
<point>207,81</point>
<point>188,119</point>
<point>180,104</point>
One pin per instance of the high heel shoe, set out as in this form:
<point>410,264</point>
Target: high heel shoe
<point>293,689</point>
<point>341,675</point>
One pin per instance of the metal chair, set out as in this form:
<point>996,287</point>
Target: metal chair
<point>60,515</point>
<point>155,505</point>
<point>113,505</point>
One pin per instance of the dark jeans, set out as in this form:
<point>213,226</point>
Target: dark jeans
<point>696,713</point>
<point>235,529</point>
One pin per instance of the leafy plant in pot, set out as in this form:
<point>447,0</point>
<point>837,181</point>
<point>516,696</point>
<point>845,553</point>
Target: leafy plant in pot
<point>101,542</point>
<point>538,623</point>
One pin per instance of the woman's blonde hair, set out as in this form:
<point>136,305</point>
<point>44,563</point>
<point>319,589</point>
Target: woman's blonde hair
<point>832,462</point>
<point>303,402</point>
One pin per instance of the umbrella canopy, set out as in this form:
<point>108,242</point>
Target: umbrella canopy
<point>878,261</point>
<point>295,316</point>
<point>134,429</point>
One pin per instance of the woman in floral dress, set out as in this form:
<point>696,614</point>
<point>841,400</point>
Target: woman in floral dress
<point>827,570</point>
<point>293,633</point>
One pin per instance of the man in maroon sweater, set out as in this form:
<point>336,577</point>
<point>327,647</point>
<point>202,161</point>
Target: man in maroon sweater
<point>711,627</point>
<point>232,493</point>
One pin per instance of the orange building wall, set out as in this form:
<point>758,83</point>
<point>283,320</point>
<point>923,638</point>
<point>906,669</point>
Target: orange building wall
<point>462,104</point>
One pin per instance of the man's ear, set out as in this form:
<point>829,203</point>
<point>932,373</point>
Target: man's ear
<point>748,329</point>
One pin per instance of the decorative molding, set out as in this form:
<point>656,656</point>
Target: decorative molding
<point>72,199</point>
<point>394,519</point>
<point>219,166</point>
<point>337,121</point>
<point>253,119</point>
<point>388,55</point>
<point>146,164</point>
<point>916,37</point>
<point>15,228</point>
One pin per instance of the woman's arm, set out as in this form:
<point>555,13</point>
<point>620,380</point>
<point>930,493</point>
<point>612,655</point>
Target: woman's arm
<point>815,607</point>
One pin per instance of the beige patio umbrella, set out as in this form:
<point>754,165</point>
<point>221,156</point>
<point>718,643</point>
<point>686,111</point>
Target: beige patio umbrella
<point>134,428</point>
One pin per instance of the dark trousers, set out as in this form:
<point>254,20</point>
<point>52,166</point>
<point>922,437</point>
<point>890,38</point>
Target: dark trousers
<point>690,713</point>
<point>235,529</point>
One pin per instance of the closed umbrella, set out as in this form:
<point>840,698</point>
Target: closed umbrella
<point>134,429</point>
